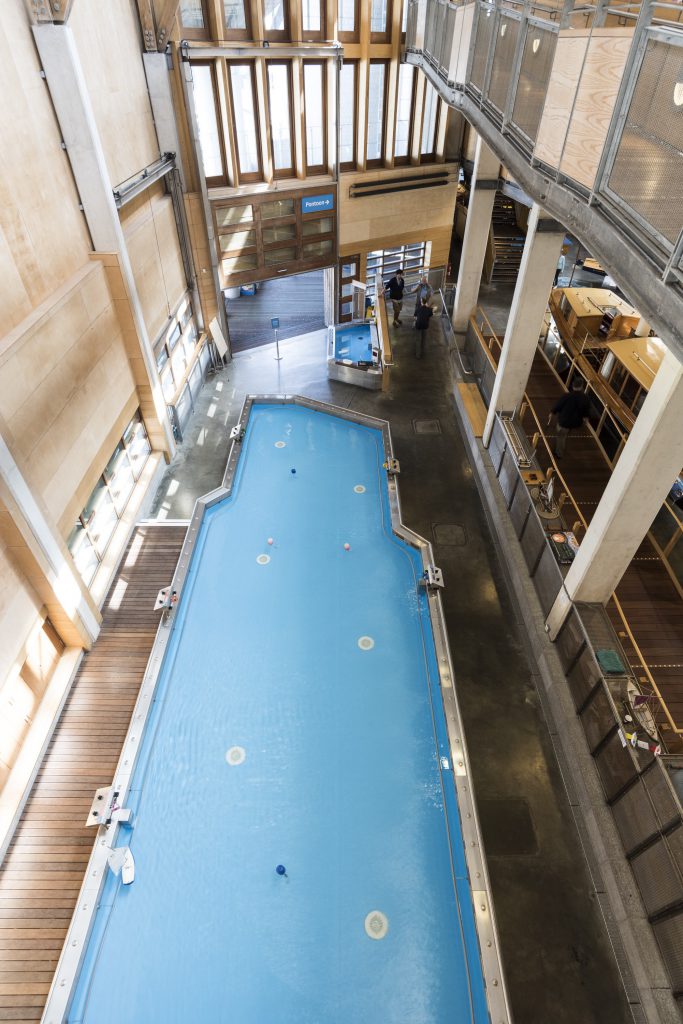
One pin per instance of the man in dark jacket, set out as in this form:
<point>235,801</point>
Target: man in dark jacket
<point>422,317</point>
<point>395,289</point>
<point>571,410</point>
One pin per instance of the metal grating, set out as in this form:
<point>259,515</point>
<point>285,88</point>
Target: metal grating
<point>635,817</point>
<point>648,169</point>
<point>658,881</point>
<point>534,74</point>
<point>669,935</point>
<point>481,46</point>
<point>503,60</point>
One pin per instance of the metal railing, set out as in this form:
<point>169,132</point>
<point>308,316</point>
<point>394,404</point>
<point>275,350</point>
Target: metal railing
<point>570,512</point>
<point>502,55</point>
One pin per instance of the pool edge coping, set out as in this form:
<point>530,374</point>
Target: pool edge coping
<point>65,980</point>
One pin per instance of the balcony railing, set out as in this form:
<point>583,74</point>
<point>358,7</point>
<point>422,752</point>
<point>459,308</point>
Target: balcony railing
<point>591,95</point>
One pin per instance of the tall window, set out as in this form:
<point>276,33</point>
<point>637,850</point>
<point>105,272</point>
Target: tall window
<point>234,16</point>
<point>280,119</point>
<point>347,116</point>
<point>312,19</point>
<point>314,113</point>
<point>376,92</point>
<point>275,19</point>
<point>380,20</point>
<point>347,26</point>
<point>404,108</point>
<point>246,132</point>
<point>204,90</point>
<point>431,106</point>
<point>94,527</point>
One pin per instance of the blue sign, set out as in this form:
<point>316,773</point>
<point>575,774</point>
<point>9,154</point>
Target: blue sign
<point>317,204</point>
<point>275,322</point>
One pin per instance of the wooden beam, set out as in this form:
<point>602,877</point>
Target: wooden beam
<point>61,9</point>
<point>146,16</point>
<point>169,10</point>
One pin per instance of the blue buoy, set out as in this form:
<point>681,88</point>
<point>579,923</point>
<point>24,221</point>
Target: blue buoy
<point>281,869</point>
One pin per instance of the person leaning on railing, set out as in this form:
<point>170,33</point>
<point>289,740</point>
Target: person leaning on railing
<point>570,411</point>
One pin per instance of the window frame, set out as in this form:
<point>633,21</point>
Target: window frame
<point>279,35</point>
<point>351,37</point>
<point>308,35</point>
<point>215,181</point>
<point>382,37</point>
<point>203,34</point>
<point>346,315</point>
<point>430,156</point>
<point>351,165</point>
<point>402,161</point>
<point>321,168</point>
<point>241,34</point>
<point>286,172</point>
<point>249,176</point>
<point>380,160</point>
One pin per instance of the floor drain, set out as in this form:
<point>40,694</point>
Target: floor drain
<point>366,643</point>
<point>235,755</point>
<point>376,924</point>
<point>426,426</point>
<point>279,444</point>
<point>263,559</point>
<point>359,489</point>
<point>449,533</point>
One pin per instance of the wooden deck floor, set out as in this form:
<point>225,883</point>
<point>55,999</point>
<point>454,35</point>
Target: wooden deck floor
<point>43,870</point>
<point>651,604</point>
<point>297,301</point>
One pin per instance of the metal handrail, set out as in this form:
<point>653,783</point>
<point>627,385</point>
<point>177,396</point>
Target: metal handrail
<point>617,604</point>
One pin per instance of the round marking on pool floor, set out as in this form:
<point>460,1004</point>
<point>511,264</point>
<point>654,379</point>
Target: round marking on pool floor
<point>280,444</point>
<point>235,755</point>
<point>263,559</point>
<point>366,643</point>
<point>376,924</point>
<point>359,489</point>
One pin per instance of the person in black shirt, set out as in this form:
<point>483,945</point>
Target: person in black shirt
<point>422,317</point>
<point>571,410</point>
<point>395,289</point>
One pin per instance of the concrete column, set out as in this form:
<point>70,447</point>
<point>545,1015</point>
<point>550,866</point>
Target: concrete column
<point>648,465</point>
<point>477,226</point>
<point>544,240</point>
<point>71,100</point>
<point>34,544</point>
<point>161,99</point>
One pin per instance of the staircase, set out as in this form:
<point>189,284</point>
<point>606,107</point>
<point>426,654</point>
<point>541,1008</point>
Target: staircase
<point>508,241</point>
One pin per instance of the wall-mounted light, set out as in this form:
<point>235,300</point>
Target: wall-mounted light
<point>536,43</point>
<point>503,30</point>
<point>678,94</point>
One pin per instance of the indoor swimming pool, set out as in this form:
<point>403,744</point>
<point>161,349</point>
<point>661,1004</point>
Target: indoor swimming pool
<point>297,840</point>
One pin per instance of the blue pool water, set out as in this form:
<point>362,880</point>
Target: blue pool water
<point>340,781</point>
<point>354,343</point>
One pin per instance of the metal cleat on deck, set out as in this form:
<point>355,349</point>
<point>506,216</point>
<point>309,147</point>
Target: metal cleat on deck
<point>237,433</point>
<point>105,809</point>
<point>432,578</point>
<point>166,600</point>
<point>392,466</point>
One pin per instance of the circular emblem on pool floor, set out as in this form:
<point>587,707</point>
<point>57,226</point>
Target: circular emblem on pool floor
<point>359,489</point>
<point>366,643</point>
<point>376,924</point>
<point>263,559</point>
<point>235,755</point>
<point>280,444</point>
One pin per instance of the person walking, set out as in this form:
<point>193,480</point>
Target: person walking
<point>395,289</point>
<point>570,412</point>
<point>424,291</point>
<point>559,269</point>
<point>422,318</point>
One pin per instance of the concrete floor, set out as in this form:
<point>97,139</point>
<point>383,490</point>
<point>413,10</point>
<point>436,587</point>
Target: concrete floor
<point>558,961</point>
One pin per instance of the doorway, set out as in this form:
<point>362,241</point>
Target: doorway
<point>298,301</point>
